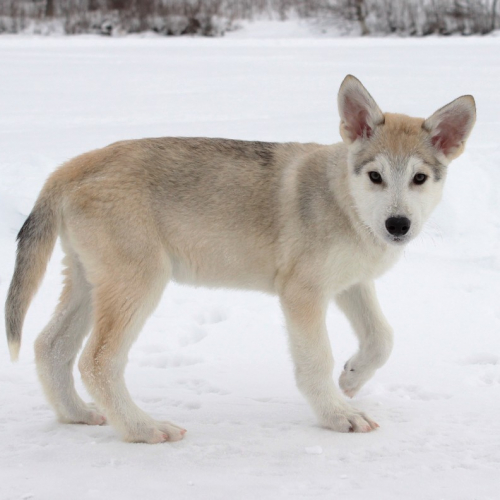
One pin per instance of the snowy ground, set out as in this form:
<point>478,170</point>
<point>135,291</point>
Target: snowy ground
<point>217,361</point>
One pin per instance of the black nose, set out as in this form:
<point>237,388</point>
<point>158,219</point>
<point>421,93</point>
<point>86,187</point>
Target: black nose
<point>398,226</point>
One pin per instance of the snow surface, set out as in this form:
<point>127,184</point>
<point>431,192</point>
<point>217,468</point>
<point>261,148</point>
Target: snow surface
<point>216,361</point>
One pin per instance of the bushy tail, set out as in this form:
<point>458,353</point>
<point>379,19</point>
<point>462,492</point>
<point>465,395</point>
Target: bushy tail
<point>36,241</point>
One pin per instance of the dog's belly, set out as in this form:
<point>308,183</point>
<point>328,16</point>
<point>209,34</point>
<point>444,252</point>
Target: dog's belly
<point>223,265</point>
<point>228,276</point>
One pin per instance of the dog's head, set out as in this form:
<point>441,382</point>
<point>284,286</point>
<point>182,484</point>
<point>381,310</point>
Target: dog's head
<point>397,164</point>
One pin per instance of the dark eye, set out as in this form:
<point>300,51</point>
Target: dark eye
<point>375,177</point>
<point>419,178</point>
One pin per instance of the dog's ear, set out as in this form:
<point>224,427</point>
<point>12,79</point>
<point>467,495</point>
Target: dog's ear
<point>359,113</point>
<point>450,126</point>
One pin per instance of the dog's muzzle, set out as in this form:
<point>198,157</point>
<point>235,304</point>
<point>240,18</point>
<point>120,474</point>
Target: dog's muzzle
<point>397,226</point>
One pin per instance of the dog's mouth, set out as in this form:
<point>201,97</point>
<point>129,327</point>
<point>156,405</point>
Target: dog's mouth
<point>397,240</point>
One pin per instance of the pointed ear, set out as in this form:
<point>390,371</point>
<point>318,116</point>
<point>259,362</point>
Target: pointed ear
<point>450,126</point>
<point>359,113</point>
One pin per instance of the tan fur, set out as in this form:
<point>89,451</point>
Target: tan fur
<point>280,218</point>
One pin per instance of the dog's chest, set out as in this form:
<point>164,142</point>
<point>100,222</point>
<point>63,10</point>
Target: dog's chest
<point>347,265</point>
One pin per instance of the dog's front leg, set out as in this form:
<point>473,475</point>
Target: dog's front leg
<point>305,315</point>
<point>359,303</point>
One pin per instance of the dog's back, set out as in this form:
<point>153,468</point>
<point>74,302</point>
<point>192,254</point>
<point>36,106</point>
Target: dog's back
<point>215,204</point>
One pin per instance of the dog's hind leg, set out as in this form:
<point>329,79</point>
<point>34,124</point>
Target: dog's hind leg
<point>126,292</point>
<point>359,303</point>
<point>58,344</point>
<point>305,310</point>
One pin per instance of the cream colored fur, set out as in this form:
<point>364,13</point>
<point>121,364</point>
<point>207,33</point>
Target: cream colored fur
<point>303,221</point>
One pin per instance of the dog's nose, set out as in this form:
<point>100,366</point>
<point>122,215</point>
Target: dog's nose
<point>398,226</point>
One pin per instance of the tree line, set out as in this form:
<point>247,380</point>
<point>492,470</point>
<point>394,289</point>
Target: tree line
<point>214,17</point>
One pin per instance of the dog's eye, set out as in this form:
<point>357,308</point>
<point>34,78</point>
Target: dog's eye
<point>419,178</point>
<point>375,177</point>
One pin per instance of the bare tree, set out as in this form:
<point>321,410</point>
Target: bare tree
<point>49,8</point>
<point>360,9</point>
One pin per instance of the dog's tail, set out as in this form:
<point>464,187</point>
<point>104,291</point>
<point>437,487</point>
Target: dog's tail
<point>36,241</point>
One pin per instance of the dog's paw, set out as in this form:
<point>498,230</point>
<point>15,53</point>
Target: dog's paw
<point>157,432</point>
<point>348,420</point>
<point>353,378</point>
<point>88,415</point>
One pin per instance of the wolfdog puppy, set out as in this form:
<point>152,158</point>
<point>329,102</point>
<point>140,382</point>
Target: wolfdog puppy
<point>307,222</point>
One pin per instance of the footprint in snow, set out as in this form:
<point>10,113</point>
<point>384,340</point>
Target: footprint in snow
<point>491,376</point>
<point>170,360</point>
<point>481,359</point>
<point>214,315</point>
<point>192,405</point>
<point>200,386</point>
<point>416,393</point>
<point>151,348</point>
<point>486,368</point>
<point>192,336</point>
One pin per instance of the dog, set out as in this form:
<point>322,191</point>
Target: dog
<point>307,222</point>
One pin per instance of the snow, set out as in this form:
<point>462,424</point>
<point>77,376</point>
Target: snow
<point>292,28</point>
<point>216,361</point>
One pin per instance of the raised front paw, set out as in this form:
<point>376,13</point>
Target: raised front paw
<point>353,378</point>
